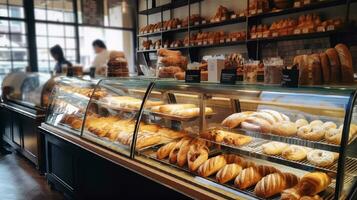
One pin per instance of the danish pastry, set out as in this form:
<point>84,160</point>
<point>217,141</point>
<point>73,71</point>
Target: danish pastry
<point>321,158</point>
<point>284,128</point>
<point>274,148</point>
<point>301,122</point>
<point>294,152</point>
<point>228,172</point>
<point>314,133</point>
<point>211,166</point>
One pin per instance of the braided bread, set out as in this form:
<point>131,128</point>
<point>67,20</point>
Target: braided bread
<point>313,183</point>
<point>228,172</point>
<point>270,185</point>
<point>247,177</point>
<point>211,166</point>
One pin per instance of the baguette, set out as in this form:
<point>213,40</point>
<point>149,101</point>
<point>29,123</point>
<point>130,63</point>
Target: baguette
<point>346,63</point>
<point>165,150</point>
<point>169,108</point>
<point>182,153</point>
<point>211,166</point>
<point>236,119</point>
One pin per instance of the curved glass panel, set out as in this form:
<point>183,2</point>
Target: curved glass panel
<point>110,120</point>
<point>69,101</point>
<point>283,129</point>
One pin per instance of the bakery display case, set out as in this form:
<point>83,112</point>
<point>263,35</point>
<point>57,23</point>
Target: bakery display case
<point>266,142</point>
<point>69,101</point>
<point>227,141</point>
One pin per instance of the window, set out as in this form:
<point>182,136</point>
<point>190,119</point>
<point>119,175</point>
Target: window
<point>54,26</point>
<point>13,38</point>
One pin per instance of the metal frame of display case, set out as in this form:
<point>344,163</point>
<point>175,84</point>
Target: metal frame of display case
<point>205,90</point>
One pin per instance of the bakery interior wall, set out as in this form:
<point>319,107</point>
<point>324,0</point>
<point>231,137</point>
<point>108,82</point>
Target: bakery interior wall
<point>285,49</point>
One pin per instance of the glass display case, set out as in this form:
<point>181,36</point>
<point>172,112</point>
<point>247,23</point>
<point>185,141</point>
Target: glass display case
<point>28,89</point>
<point>255,141</point>
<point>69,101</point>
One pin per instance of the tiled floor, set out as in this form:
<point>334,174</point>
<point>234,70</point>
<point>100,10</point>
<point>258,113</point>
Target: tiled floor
<point>19,180</point>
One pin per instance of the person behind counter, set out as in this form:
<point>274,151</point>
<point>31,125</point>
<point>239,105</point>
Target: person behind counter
<point>102,56</point>
<point>57,54</point>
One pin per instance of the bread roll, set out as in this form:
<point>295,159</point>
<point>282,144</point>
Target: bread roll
<point>196,156</point>
<point>334,64</point>
<point>325,66</point>
<point>270,185</point>
<point>301,122</point>
<point>236,139</point>
<point>345,57</point>
<point>165,150</point>
<point>294,152</point>
<point>247,178</point>
<point>191,112</point>
<point>232,158</point>
<point>211,166</point>
<point>313,183</point>
<point>228,172</point>
<point>257,124</point>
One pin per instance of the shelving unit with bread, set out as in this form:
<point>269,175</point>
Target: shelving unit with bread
<point>266,142</point>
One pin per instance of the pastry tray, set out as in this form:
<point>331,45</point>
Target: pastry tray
<point>151,154</point>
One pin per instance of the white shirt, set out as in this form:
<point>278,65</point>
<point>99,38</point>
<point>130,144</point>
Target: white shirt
<point>101,59</point>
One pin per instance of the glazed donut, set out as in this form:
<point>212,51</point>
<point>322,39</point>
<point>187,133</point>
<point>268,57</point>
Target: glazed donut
<point>196,156</point>
<point>321,158</point>
<point>316,123</point>
<point>284,128</point>
<point>294,152</point>
<point>274,148</point>
<point>301,122</point>
<point>328,125</point>
<point>308,132</point>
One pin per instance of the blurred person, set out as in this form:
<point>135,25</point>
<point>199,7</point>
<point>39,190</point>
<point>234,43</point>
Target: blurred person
<point>57,54</point>
<point>102,56</point>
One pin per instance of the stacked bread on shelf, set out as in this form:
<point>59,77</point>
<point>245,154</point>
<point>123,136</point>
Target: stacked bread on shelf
<point>151,28</point>
<point>172,62</point>
<point>329,67</point>
<point>87,92</point>
<point>258,6</point>
<point>192,20</point>
<point>234,61</point>
<point>117,65</point>
<point>172,24</point>
<point>146,44</point>
<point>127,102</point>
<point>180,110</point>
<point>221,14</point>
<point>308,23</point>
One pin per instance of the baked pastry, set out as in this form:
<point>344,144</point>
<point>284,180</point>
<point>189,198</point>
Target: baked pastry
<point>270,185</point>
<point>314,133</point>
<point>182,153</point>
<point>236,119</point>
<point>165,150</point>
<point>328,125</point>
<point>301,122</point>
<point>176,149</point>
<point>171,134</point>
<point>274,148</point>
<point>333,136</point>
<point>291,180</point>
<point>315,197</point>
<point>211,166</point>
<point>247,178</point>
<point>256,124</point>
<point>290,194</point>
<point>284,128</point>
<point>313,183</point>
<point>264,115</point>
<point>235,138</point>
<point>228,172</point>
<point>166,52</point>
<point>316,123</point>
<point>196,156</point>
<point>278,116</point>
<point>334,64</point>
<point>191,112</point>
<point>264,170</point>
<point>232,158</point>
<point>170,108</point>
<point>321,158</point>
<point>346,63</point>
<point>294,152</point>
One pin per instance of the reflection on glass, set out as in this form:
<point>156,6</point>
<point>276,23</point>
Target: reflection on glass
<point>5,54</point>
<point>17,27</point>
<point>18,40</point>
<point>4,40</point>
<point>4,24</point>
<point>19,54</point>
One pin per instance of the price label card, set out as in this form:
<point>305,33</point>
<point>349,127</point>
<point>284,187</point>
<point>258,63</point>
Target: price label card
<point>176,45</point>
<point>197,23</point>
<point>213,21</point>
<point>260,11</point>
<point>228,76</point>
<point>169,28</point>
<point>297,4</point>
<point>234,39</point>
<point>199,43</point>
<point>241,14</point>
<point>265,34</point>
<point>228,40</point>
<point>305,30</point>
<point>297,31</point>
<point>204,22</point>
<point>179,26</point>
<point>330,28</point>
<point>165,46</point>
<point>186,45</point>
<point>275,34</point>
<point>306,2</point>
<point>205,43</point>
<point>223,18</point>
<point>193,76</point>
<point>211,42</point>
<point>254,36</point>
<point>234,16</point>
<point>221,41</point>
<point>253,12</point>
<point>260,35</point>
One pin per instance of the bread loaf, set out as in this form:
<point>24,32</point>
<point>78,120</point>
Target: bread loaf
<point>265,170</point>
<point>196,156</point>
<point>165,150</point>
<point>334,64</point>
<point>270,185</point>
<point>228,172</point>
<point>313,183</point>
<point>182,153</point>
<point>325,66</point>
<point>247,178</point>
<point>314,66</point>
<point>346,63</point>
<point>211,166</point>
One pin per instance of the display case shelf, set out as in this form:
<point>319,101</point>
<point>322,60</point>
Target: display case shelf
<point>220,23</point>
<point>173,5</point>
<point>303,8</point>
<point>153,34</point>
